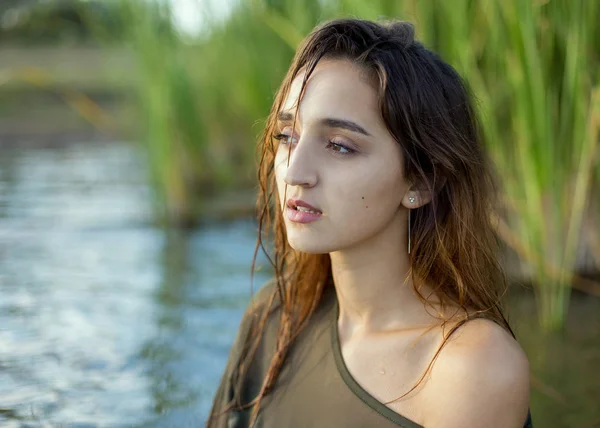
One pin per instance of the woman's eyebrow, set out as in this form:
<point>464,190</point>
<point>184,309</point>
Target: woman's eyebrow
<point>344,124</point>
<point>285,116</point>
<point>330,122</point>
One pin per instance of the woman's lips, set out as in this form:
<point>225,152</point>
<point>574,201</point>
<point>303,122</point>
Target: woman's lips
<point>301,216</point>
<point>293,203</point>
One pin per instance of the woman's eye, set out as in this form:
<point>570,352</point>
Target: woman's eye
<point>340,148</point>
<point>284,138</point>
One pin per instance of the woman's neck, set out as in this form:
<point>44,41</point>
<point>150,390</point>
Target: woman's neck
<point>372,292</point>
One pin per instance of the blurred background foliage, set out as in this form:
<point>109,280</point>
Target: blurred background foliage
<point>36,22</point>
<point>195,101</point>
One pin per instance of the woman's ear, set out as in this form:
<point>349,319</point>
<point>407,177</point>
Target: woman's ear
<point>415,198</point>
<point>421,194</point>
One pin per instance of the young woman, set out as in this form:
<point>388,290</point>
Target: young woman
<point>385,307</point>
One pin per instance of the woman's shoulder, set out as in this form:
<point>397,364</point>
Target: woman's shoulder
<point>259,299</point>
<point>481,374</point>
<point>262,296</point>
<point>253,312</point>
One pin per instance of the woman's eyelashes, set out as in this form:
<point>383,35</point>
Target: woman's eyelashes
<point>284,138</point>
<point>334,145</point>
<point>339,148</point>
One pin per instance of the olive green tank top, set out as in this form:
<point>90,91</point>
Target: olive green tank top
<point>314,387</point>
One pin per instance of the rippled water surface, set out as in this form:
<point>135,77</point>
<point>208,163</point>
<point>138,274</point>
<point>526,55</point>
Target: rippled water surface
<point>105,320</point>
<point>108,321</point>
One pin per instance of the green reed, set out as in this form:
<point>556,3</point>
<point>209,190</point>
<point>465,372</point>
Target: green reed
<point>170,105</point>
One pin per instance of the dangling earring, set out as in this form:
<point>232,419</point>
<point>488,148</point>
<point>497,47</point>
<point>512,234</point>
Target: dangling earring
<point>411,200</point>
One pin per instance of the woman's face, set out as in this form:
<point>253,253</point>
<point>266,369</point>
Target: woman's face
<point>343,160</point>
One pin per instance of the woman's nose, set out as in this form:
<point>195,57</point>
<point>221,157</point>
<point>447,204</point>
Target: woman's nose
<point>301,169</point>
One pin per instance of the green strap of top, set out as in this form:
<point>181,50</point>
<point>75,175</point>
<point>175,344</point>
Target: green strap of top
<point>358,390</point>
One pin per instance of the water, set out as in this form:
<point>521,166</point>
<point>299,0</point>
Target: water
<point>108,321</point>
<point>105,320</point>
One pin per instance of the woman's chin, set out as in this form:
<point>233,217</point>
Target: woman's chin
<point>309,246</point>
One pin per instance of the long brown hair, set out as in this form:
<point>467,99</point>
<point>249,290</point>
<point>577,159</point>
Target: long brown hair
<point>428,109</point>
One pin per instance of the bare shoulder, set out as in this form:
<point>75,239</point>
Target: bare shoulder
<point>480,379</point>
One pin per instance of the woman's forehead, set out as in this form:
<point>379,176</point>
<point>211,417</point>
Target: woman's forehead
<point>334,86</point>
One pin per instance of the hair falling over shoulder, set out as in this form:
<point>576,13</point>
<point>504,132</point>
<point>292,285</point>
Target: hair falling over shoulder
<point>428,109</point>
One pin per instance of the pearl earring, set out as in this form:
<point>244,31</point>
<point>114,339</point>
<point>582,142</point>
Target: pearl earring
<point>411,200</point>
